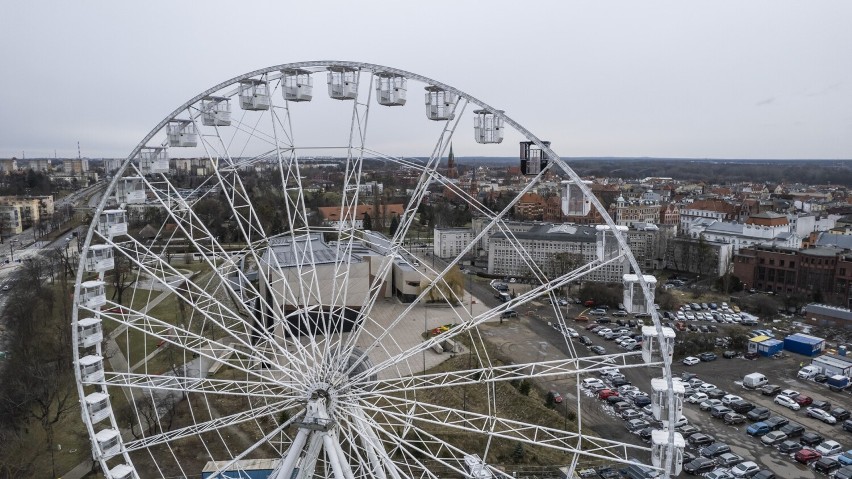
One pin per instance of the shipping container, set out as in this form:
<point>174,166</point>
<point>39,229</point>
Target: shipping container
<point>804,344</point>
<point>770,347</point>
<point>837,382</point>
<point>832,364</point>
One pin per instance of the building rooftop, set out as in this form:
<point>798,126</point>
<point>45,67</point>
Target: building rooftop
<point>305,249</point>
<point>826,310</point>
<point>550,232</point>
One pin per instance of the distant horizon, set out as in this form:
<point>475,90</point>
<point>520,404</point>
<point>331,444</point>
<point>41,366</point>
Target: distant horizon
<point>499,158</point>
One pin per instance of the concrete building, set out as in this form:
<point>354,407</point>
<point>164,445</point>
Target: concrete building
<point>828,316</point>
<point>741,235</point>
<point>635,211</point>
<point>31,208</point>
<point>10,220</point>
<point>8,165</point>
<point>698,256</point>
<point>713,209</point>
<point>450,242</point>
<point>75,166</point>
<point>553,249</point>
<point>319,308</point>
<point>378,215</point>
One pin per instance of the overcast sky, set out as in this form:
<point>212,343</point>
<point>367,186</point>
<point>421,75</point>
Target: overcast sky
<point>721,79</point>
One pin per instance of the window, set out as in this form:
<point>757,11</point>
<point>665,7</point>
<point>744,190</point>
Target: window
<point>781,263</point>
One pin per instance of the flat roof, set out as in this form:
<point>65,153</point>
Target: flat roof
<point>805,338</point>
<point>305,249</point>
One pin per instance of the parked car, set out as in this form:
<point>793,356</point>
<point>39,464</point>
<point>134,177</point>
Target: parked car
<point>773,437</point>
<point>697,398</point>
<point>719,411</point>
<point>829,448</point>
<point>821,415</point>
<point>716,393</point>
<point>715,449</point>
<point>589,382</point>
<point>700,439</point>
<point>790,393</point>
<point>634,425</point>
<point>803,400</point>
<point>847,425</point>
<point>687,430</point>
<point>758,429</point>
<point>840,414</point>
<point>606,393</point>
<point>598,349</point>
<point>733,418</point>
<point>777,422</point>
<point>764,474</point>
<point>789,447</point>
<point>729,398</point>
<point>745,469</point>
<point>843,473</point>
<point>699,465</point>
<point>821,404</point>
<point>631,413</point>
<point>826,465</point>
<point>728,459</point>
<point>811,439</point>
<point>741,406</point>
<point>806,456</point>
<point>641,401</point>
<point>758,414</point>
<point>770,390</point>
<point>691,361</point>
<point>787,402</point>
<point>707,357</point>
<point>557,398</point>
<point>709,404</point>
<point>730,354</point>
<point>793,430</point>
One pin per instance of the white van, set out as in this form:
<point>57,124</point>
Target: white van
<point>754,380</point>
<point>808,372</point>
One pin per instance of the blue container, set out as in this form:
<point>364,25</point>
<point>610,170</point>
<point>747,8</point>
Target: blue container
<point>804,344</point>
<point>770,347</point>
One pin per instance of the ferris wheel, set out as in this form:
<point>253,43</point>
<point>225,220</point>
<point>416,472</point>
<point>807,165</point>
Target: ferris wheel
<point>249,296</point>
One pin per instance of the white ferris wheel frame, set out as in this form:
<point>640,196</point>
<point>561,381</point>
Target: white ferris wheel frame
<point>552,437</point>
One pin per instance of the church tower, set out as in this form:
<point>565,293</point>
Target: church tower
<point>452,171</point>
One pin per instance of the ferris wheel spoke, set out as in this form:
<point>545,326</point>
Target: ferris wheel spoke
<point>211,250</point>
<point>477,320</point>
<point>497,427</point>
<point>214,424</point>
<point>443,142</point>
<point>243,355</point>
<point>194,384</point>
<point>488,374</point>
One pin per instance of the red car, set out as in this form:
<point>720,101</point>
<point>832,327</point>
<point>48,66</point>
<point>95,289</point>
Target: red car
<point>589,303</point>
<point>557,398</point>
<point>807,456</point>
<point>803,400</point>
<point>605,393</point>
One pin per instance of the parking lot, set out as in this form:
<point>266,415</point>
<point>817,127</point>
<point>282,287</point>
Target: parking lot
<point>537,321</point>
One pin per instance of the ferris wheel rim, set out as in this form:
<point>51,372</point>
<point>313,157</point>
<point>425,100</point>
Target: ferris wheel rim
<point>365,66</point>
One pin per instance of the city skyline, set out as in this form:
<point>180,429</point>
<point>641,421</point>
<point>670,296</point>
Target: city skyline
<point>660,79</point>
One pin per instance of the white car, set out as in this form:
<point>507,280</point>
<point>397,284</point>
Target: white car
<point>729,398</point>
<point>790,393</point>
<point>709,404</point>
<point>745,469</point>
<point>604,331</point>
<point>589,382</point>
<point>606,372</point>
<point>706,387</point>
<point>572,332</point>
<point>829,448</point>
<point>697,398</point>
<point>691,360</point>
<point>787,402</point>
<point>822,416</point>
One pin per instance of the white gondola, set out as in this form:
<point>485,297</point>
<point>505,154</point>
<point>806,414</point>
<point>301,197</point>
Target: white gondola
<point>112,223</point>
<point>99,258</point>
<point>91,368</point>
<point>607,247</point>
<point>660,450</point>
<point>652,350</point>
<point>215,111</point>
<point>343,83</point>
<point>97,406</point>
<point>533,158</point>
<point>153,160</point>
<point>390,89</point>
<point>440,103</point>
<point>182,133</point>
<point>92,294</point>
<point>634,299</point>
<point>574,202</point>
<point>660,398</point>
<point>297,85</point>
<point>89,332</point>
<point>122,471</point>
<point>487,127</point>
<point>109,441</point>
<point>131,190</point>
<point>254,95</point>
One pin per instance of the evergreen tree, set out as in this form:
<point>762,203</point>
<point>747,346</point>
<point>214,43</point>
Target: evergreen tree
<point>394,225</point>
<point>368,222</point>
